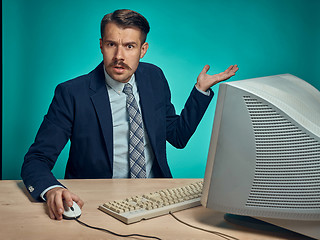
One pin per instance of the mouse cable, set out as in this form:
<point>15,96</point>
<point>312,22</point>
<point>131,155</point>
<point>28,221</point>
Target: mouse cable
<point>113,233</point>
<point>225,236</point>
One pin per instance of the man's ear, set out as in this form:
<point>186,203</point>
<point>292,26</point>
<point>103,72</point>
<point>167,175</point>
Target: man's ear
<point>144,49</point>
<point>101,44</point>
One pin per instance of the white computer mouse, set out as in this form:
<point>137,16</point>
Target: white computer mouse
<point>71,212</point>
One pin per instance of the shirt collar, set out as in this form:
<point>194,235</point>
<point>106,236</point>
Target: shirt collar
<point>116,85</point>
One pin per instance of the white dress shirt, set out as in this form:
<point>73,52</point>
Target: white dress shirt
<point>120,121</point>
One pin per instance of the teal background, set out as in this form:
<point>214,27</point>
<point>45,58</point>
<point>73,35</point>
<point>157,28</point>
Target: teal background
<point>48,42</point>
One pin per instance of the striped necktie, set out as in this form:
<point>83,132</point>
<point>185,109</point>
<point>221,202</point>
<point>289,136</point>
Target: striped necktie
<point>136,136</point>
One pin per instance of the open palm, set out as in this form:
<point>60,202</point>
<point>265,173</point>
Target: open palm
<point>205,81</point>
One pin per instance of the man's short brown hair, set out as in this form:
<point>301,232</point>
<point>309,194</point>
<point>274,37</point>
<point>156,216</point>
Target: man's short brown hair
<point>126,18</point>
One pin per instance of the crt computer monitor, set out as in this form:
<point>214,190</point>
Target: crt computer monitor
<point>264,154</point>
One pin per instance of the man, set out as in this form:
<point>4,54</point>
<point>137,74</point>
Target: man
<point>94,112</point>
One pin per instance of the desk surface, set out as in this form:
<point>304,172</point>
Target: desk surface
<point>23,218</point>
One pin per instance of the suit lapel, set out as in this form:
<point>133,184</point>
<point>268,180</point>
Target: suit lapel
<point>147,103</point>
<point>100,100</point>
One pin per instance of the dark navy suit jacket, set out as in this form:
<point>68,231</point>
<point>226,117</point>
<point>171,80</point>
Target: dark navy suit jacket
<point>80,111</point>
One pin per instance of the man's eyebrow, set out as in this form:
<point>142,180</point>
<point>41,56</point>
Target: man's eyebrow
<point>125,43</point>
<point>130,43</point>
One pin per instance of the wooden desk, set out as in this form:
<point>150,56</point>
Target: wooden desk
<point>23,218</point>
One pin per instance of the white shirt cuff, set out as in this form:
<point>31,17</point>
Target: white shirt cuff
<point>207,93</point>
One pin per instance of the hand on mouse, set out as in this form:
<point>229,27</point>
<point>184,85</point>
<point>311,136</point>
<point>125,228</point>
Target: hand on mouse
<point>55,198</point>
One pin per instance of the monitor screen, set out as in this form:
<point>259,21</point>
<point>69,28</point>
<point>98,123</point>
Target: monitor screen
<point>264,154</point>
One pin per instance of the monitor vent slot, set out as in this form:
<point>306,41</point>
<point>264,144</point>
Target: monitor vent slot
<point>287,171</point>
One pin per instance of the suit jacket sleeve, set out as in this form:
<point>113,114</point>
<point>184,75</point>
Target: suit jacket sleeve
<point>181,127</point>
<point>51,138</point>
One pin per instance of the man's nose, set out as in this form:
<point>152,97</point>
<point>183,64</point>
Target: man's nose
<point>119,55</point>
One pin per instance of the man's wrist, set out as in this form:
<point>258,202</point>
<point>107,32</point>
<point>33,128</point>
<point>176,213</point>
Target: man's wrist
<point>207,93</point>
<point>43,194</point>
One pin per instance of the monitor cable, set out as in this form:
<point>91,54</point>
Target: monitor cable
<point>222,235</point>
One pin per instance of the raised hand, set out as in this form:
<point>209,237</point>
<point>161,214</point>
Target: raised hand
<point>205,81</point>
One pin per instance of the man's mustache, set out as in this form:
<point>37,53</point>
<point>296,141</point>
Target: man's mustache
<point>119,63</point>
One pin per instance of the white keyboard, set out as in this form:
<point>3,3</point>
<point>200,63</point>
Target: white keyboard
<point>134,209</point>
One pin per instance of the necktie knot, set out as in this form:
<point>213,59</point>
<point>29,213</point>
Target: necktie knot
<point>127,89</point>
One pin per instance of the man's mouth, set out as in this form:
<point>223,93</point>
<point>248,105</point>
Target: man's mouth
<point>119,67</point>
<point>119,64</point>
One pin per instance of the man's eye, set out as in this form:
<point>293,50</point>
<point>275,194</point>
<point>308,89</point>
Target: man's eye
<point>110,44</point>
<point>130,46</point>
